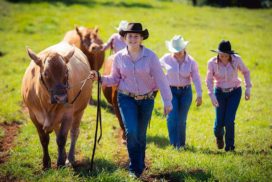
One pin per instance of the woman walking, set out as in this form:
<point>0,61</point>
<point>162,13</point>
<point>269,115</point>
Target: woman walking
<point>181,70</point>
<point>224,88</point>
<point>137,72</point>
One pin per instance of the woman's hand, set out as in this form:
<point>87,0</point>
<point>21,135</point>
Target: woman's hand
<point>214,101</point>
<point>247,96</point>
<point>167,110</point>
<point>93,75</point>
<point>198,101</point>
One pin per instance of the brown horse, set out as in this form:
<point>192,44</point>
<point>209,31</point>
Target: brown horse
<point>50,87</point>
<point>110,94</point>
<point>88,41</point>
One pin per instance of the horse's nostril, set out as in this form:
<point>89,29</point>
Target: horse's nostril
<point>57,98</point>
<point>60,98</point>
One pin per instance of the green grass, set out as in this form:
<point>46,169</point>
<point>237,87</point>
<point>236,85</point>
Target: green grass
<point>39,25</point>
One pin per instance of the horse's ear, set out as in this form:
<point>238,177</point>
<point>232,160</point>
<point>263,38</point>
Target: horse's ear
<point>69,54</point>
<point>96,29</point>
<point>34,57</point>
<point>78,31</point>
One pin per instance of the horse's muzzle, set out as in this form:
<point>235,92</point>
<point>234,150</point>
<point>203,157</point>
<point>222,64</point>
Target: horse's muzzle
<point>59,99</point>
<point>59,95</point>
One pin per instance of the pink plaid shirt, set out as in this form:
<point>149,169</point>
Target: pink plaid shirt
<point>227,76</point>
<point>181,74</point>
<point>139,77</point>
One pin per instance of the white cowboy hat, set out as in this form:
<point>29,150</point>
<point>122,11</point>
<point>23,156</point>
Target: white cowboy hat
<point>122,25</point>
<point>176,44</point>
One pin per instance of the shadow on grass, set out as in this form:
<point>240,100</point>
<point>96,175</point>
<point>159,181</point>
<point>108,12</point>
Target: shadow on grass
<point>222,152</point>
<point>251,152</point>
<point>159,141</point>
<point>193,149</point>
<point>2,54</point>
<point>180,175</point>
<point>127,5</point>
<point>88,3</point>
<point>83,167</point>
<point>66,2</point>
<point>104,105</point>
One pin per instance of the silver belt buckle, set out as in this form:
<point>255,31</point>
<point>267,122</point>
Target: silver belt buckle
<point>231,89</point>
<point>227,90</point>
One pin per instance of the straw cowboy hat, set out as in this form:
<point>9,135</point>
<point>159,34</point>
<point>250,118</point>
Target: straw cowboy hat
<point>224,47</point>
<point>135,28</point>
<point>122,25</point>
<point>176,44</point>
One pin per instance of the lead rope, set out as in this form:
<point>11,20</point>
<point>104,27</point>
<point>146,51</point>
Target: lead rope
<point>98,118</point>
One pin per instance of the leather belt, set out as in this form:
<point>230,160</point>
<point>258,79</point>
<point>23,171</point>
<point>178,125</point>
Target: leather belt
<point>180,87</point>
<point>149,95</point>
<point>226,90</point>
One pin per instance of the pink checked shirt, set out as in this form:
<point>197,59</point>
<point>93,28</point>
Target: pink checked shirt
<point>226,76</point>
<point>181,74</point>
<point>139,77</point>
<point>116,42</point>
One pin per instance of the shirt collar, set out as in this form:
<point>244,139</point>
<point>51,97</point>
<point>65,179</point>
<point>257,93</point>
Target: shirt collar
<point>144,52</point>
<point>186,58</point>
<point>233,57</point>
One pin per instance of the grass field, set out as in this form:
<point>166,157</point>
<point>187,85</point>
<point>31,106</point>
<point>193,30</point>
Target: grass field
<point>41,24</point>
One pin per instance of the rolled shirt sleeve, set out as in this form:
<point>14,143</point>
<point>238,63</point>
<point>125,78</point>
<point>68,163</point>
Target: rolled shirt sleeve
<point>246,73</point>
<point>210,79</point>
<point>161,81</point>
<point>196,79</point>
<point>114,78</point>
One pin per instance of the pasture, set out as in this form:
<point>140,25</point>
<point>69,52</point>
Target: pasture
<point>40,24</point>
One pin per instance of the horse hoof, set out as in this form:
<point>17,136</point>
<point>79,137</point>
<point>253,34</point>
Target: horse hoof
<point>61,164</point>
<point>47,164</point>
<point>47,167</point>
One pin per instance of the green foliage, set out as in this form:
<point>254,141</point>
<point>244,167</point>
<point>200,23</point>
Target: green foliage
<point>39,24</point>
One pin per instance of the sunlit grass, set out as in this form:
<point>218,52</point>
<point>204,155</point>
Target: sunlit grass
<point>41,24</point>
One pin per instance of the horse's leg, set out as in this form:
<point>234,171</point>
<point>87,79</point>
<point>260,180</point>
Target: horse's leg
<point>62,138</point>
<point>44,139</point>
<point>74,132</point>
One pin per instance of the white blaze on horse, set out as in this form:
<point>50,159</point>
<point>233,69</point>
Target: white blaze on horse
<point>56,90</point>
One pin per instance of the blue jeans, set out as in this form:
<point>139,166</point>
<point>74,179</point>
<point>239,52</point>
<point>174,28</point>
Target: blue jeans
<point>176,119</point>
<point>225,114</point>
<point>136,115</point>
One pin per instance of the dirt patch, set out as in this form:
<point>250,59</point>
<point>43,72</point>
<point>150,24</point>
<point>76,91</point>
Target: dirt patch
<point>122,159</point>
<point>177,175</point>
<point>11,130</point>
<point>121,155</point>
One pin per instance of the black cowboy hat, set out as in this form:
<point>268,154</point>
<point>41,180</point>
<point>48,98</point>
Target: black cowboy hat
<point>135,28</point>
<point>224,47</point>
